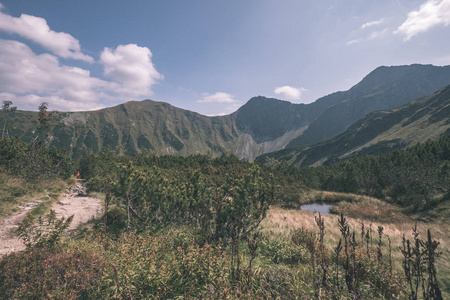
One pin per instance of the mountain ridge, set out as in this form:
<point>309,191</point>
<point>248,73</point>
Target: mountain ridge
<point>379,132</point>
<point>382,89</point>
<point>260,126</point>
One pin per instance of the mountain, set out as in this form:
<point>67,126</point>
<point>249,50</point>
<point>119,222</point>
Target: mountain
<point>260,126</point>
<point>137,125</point>
<point>383,89</point>
<point>379,132</point>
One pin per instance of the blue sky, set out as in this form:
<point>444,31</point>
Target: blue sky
<point>207,56</point>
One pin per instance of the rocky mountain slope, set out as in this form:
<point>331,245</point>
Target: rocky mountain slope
<point>260,126</point>
<point>384,88</point>
<point>377,133</point>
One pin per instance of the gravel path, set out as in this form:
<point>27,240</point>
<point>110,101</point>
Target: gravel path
<point>74,203</point>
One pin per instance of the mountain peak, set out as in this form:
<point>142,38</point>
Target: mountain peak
<point>388,74</point>
<point>262,100</point>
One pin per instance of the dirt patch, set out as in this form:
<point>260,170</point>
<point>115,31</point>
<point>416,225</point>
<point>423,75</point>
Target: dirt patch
<point>74,203</point>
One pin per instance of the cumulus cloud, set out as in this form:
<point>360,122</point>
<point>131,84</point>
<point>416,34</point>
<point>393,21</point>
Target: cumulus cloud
<point>289,92</point>
<point>27,78</point>
<point>373,23</point>
<point>131,67</point>
<point>217,98</point>
<point>37,30</point>
<point>219,103</point>
<point>430,14</point>
<point>32,101</point>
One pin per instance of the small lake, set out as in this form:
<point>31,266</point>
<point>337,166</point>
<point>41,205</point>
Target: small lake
<point>316,208</point>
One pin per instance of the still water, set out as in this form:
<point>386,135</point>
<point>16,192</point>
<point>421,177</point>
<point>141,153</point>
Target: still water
<point>317,208</point>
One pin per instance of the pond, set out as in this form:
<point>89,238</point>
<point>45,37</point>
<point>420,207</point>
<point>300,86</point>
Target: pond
<point>317,208</point>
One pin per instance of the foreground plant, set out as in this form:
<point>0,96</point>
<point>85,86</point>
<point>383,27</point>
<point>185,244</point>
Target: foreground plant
<point>419,266</point>
<point>46,232</point>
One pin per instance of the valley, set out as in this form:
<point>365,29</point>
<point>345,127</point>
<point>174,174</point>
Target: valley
<point>172,204</point>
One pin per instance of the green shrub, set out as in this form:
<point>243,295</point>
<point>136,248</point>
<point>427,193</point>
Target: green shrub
<point>50,273</point>
<point>45,233</point>
<point>281,251</point>
<point>34,161</point>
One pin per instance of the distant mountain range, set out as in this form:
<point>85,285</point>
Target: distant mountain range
<point>379,132</point>
<point>260,126</point>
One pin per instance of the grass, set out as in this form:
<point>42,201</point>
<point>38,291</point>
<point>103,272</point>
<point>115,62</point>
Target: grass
<point>310,196</point>
<point>280,222</point>
<point>15,192</point>
<point>96,195</point>
<point>356,206</point>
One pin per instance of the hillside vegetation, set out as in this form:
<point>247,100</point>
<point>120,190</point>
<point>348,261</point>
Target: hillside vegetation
<point>379,132</point>
<point>384,88</point>
<point>416,178</point>
<point>202,228</point>
<point>260,126</point>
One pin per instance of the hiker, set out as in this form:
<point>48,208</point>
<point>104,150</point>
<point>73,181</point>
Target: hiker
<point>78,175</point>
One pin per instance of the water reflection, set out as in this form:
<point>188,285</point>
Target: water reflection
<point>317,208</point>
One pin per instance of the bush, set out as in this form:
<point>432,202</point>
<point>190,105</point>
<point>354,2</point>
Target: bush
<point>50,273</point>
<point>162,267</point>
<point>34,161</point>
<point>281,251</point>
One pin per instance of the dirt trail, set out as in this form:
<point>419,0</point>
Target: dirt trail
<point>74,203</point>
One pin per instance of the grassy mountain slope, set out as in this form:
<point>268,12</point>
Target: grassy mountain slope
<point>379,132</point>
<point>260,126</point>
<point>137,125</point>
<point>146,125</point>
<point>384,88</point>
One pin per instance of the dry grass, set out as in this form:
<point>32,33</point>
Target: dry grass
<point>356,206</point>
<point>372,210</point>
<point>281,221</point>
<point>15,192</point>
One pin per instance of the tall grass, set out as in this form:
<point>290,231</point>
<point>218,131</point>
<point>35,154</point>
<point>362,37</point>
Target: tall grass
<point>281,222</point>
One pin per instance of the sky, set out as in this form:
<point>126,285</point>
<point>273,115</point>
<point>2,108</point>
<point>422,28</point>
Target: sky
<point>207,56</point>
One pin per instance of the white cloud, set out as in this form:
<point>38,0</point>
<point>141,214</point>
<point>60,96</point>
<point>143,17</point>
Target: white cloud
<point>355,41</point>
<point>37,30</point>
<point>218,104</point>
<point>373,35</point>
<point>370,24</point>
<point>289,92</point>
<point>217,98</point>
<point>430,14</point>
<point>25,77</point>
<point>131,67</point>
<point>32,101</point>
<point>377,34</point>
